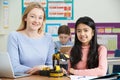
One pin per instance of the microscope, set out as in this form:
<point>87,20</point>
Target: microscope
<point>60,60</point>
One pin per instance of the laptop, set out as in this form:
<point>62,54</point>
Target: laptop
<point>6,69</point>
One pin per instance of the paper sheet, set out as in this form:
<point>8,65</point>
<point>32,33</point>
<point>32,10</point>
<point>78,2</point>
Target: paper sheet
<point>75,77</point>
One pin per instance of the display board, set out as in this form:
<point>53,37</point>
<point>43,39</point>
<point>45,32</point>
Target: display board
<point>108,35</point>
<point>52,29</point>
<point>59,9</point>
<point>4,17</point>
<point>55,9</point>
<point>25,3</point>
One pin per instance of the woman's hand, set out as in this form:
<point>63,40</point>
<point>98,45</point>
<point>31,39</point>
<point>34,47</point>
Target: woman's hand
<point>35,70</point>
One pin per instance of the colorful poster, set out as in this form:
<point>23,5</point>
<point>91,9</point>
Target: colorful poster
<point>59,9</point>
<point>26,2</point>
<point>52,29</point>
<point>55,9</point>
<point>5,14</point>
<point>110,41</point>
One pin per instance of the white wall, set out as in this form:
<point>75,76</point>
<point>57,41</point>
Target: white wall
<point>99,10</point>
<point>14,20</point>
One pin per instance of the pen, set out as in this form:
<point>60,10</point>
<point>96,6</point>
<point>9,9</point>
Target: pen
<point>66,74</point>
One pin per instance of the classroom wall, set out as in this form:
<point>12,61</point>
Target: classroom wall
<point>99,10</point>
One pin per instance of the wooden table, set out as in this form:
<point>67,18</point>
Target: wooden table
<point>37,77</point>
<point>111,61</point>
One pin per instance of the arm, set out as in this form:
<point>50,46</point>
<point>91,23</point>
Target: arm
<point>51,51</point>
<point>13,50</point>
<point>100,70</point>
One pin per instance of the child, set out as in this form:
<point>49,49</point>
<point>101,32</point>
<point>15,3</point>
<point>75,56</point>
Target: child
<point>64,37</point>
<point>87,57</point>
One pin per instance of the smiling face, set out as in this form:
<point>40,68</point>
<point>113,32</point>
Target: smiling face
<point>84,33</point>
<point>34,19</point>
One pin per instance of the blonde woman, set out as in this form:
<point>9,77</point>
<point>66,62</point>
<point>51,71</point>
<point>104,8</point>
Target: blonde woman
<point>29,47</point>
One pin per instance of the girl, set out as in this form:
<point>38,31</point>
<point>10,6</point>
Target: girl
<point>87,57</point>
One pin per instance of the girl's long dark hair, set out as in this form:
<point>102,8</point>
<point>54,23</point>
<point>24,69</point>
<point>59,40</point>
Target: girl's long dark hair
<point>76,52</point>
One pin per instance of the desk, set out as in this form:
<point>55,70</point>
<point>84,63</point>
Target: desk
<point>37,77</point>
<point>113,61</point>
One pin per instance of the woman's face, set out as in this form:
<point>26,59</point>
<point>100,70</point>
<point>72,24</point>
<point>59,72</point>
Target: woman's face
<point>84,33</point>
<point>35,19</point>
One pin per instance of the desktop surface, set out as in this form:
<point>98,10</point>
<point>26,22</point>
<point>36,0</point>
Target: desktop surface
<point>37,77</point>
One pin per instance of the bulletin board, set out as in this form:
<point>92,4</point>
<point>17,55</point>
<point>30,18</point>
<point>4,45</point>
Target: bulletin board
<point>59,9</point>
<point>25,3</point>
<point>108,35</point>
<point>52,29</point>
<point>55,9</point>
<point>5,17</point>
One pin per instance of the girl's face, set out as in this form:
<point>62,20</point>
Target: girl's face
<point>84,33</point>
<point>35,19</point>
<point>64,38</point>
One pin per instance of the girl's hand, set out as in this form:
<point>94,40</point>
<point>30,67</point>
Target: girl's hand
<point>71,70</point>
<point>65,72</point>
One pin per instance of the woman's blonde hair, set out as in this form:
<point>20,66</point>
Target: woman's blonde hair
<point>27,10</point>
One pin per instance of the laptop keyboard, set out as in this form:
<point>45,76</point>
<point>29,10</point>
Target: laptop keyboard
<point>21,74</point>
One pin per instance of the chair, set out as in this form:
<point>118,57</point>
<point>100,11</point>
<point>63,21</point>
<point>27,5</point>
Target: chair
<point>116,68</point>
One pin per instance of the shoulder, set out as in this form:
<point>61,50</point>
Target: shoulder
<point>57,43</point>
<point>48,37</point>
<point>102,50</point>
<point>70,43</point>
<point>13,34</point>
<point>102,47</point>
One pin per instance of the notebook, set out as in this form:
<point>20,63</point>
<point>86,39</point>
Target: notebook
<point>6,69</point>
